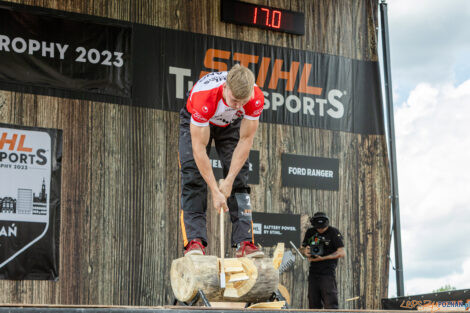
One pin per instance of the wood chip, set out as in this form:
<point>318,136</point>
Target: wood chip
<point>238,277</point>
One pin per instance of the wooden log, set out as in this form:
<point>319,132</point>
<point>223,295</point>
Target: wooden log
<point>200,272</point>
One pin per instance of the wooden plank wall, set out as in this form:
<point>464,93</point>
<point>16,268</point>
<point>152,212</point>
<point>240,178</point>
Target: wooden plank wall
<point>120,182</point>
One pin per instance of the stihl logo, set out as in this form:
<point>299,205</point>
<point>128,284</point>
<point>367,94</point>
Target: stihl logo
<point>265,62</point>
<point>296,97</point>
<point>13,142</point>
<point>14,149</point>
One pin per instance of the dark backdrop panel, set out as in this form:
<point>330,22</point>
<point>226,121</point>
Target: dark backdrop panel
<point>30,180</point>
<point>456,299</point>
<point>49,50</point>
<point>82,56</point>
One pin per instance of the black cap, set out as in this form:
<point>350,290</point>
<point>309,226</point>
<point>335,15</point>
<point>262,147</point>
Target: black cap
<point>319,220</point>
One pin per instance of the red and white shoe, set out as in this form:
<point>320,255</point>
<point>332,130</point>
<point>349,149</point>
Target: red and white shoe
<point>249,250</point>
<point>194,247</point>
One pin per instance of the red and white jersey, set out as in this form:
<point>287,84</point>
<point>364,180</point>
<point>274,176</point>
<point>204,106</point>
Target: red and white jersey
<point>207,105</point>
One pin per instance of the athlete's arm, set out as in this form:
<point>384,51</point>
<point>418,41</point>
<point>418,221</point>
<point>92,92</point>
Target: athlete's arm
<point>240,155</point>
<point>200,138</point>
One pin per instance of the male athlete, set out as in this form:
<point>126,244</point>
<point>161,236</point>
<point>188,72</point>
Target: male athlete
<point>224,107</point>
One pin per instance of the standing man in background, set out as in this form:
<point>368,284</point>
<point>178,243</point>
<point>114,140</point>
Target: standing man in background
<point>224,107</point>
<point>323,245</point>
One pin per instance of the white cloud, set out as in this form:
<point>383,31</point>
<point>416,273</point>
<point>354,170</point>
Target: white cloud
<point>428,42</point>
<point>433,151</point>
<point>459,279</point>
<point>431,72</point>
<point>422,285</point>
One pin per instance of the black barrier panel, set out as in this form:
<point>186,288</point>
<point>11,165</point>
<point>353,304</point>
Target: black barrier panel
<point>41,49</point>
<point>301,88</point>
<point>253,159</point>
<point>30,173</point>
<point>309,172</point>
<point>457,300</point>
<point>271,228</point>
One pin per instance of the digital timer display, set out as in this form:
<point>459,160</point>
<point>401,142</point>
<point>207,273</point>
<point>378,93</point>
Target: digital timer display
<point>249,14</point>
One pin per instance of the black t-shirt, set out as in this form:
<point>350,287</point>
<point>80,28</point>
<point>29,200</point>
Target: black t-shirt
<point>332,241</point>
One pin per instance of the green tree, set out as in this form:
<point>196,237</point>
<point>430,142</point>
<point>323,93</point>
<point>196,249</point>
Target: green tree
<point>445,288</point>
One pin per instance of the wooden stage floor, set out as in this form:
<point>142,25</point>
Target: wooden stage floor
<point>29,308</point>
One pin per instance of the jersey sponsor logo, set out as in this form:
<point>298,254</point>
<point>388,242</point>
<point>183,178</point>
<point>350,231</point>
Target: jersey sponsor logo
<point>208,82</point>
<point>215,77</point>
<point>225,115</point>
<point>199,117</point>
<point>205,109</point>
<point>258,112</point>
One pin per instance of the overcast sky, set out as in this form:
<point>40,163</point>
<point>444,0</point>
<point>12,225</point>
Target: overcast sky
<point>430,49</point>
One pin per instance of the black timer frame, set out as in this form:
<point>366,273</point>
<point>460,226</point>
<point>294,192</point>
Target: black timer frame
<point>249,14</point>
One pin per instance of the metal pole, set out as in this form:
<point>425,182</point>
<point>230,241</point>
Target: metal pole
<point>391,141</point>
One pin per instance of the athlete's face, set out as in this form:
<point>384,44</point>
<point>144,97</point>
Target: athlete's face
<point>231,101</point>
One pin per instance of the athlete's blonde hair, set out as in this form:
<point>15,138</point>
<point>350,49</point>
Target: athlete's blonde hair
<point>240,80</point>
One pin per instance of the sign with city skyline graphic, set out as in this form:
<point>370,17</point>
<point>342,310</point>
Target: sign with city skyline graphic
<point>26,167</point>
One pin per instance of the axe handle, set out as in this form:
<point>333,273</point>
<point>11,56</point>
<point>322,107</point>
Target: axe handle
<point>222,237</point>
<point>222,249</point>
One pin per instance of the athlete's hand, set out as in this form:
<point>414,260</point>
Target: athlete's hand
<point>225,186</point>
<point>306,251</point>
<point>219,201</point>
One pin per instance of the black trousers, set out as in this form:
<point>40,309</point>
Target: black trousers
<point>322,292</point>
<point>194,188</point>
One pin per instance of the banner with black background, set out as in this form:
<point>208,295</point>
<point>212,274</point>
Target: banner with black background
<point>30,173</point>
<point>141,65</point>
<point>253,161</point>
<point>90,60</point>
<point>309,172</point>
<point>270,228</point>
